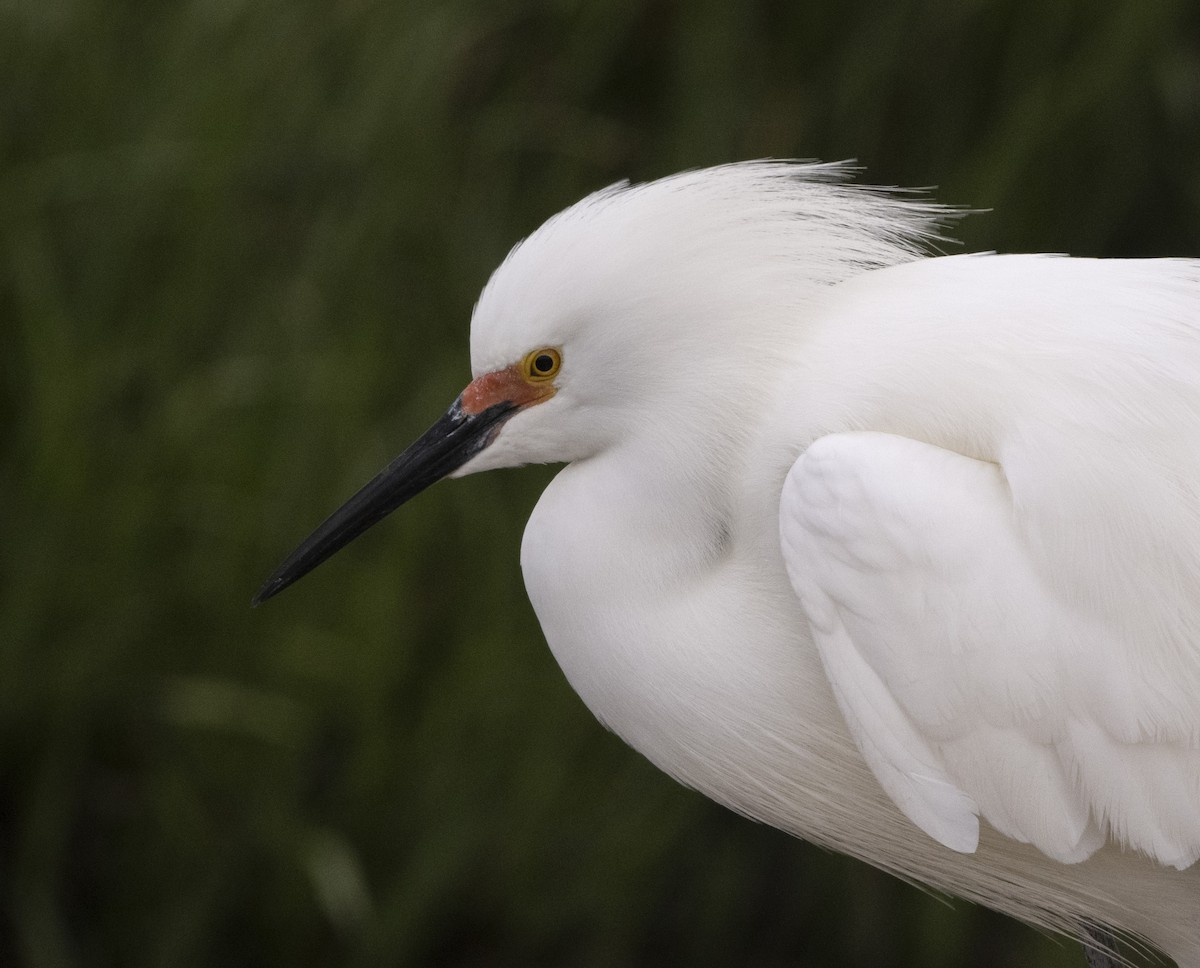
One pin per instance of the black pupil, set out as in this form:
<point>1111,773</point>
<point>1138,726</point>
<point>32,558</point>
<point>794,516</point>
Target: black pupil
<point>544,363</point>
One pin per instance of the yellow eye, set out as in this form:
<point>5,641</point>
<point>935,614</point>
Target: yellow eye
<point>541,365</point>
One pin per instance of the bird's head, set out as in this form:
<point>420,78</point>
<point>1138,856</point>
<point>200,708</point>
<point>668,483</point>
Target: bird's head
<point>637,301</point>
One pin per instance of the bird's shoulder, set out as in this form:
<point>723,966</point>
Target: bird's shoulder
<point>985,639</point>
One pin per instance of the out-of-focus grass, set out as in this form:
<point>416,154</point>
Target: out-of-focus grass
<point>239,244</point>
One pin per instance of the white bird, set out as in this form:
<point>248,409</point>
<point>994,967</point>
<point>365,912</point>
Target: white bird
<point>897,552</point>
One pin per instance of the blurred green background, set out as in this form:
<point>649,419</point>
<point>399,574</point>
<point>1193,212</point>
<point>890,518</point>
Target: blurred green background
<point>239,245</point>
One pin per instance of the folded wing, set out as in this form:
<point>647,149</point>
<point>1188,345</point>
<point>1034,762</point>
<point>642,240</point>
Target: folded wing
<point>976,677</point>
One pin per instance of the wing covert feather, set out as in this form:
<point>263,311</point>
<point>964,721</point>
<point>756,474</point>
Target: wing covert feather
<point>968,682</point>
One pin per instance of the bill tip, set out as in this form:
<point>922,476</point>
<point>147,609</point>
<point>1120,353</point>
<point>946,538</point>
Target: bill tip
<point>270,589</point>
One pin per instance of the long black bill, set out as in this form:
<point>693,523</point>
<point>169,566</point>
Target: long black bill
<point>447,445</point>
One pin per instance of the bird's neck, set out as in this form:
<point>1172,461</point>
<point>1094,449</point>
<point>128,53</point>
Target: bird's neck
<point>675,494</point>
<point>644,584</point>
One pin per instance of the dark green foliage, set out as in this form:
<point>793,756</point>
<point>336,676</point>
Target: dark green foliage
<point>239,245</point>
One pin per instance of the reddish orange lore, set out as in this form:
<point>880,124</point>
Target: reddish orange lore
<point>500,386</point>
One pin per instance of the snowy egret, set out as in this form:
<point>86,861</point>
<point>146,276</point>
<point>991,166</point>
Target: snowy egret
<point>897,552</point>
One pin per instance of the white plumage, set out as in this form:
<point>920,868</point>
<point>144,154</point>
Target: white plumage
<point>898,553</point>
